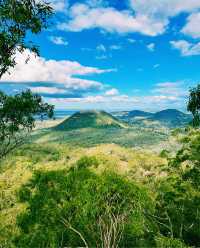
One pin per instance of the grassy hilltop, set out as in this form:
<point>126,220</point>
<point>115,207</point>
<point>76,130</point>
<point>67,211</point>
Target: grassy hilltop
<point>90,119</point>
<point>90,128</point>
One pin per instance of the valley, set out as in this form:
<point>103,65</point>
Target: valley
<point>93,143</point>
<point>129,129</point>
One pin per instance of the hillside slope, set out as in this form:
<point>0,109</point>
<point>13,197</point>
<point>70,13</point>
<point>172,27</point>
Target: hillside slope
<point>172,117</point>
<point>90,119</point>
<point>139,113</point>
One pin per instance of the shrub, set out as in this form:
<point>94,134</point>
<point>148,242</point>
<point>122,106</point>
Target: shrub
<point>86,162</point>
<point>79,208</point>
<point>164,242</point>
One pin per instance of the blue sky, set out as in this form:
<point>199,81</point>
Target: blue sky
<point>114,55</point>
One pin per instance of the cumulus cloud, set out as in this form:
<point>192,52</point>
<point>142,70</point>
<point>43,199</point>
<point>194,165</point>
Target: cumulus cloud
<point>131,40</point>
<point>148,17</point>
<point>56,92</point>
<point>101,57</point>
<point>156,66</point>
<point>121,102</point>
<point>110,19</point>
<point>101,48</point>
<point>163,95</point>
<point>59,5</point>
<point>164,9</point>
<point>192,26</point>
<point>112,92</point>
<point>115,47</point>
<point>52,90</point>
<point>151,47</point>
<point>186,48</point>
<point>58,40</point>
<point>172,89</point>
<point>48,73</point>
<point>168,84</point>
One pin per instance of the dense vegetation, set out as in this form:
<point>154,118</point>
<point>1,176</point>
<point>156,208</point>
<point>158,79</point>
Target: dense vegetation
<point>15,125</point>
<point>109,196</point>
<point>88,137</point>
<point>194,105</point>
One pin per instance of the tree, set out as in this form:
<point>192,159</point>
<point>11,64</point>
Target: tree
<point>178,195</point>
<point>17,18</point>
<point>194,105</point>
<point>79,208</point>
<point>17,118</point>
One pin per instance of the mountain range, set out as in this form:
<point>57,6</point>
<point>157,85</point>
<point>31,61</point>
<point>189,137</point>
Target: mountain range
<point>171,118</point>
<point>167,117</point>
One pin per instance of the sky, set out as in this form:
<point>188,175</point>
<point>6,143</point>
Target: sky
<point>113,55</point>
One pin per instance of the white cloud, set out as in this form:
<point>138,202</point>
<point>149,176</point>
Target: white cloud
<point>162,9</point>
<point>192,26</point>
<point>112,92</point>
<point>101,57</point>
<point>48,90</point>
<point>95,3</point>
<point>101,48</point>
<point>131,40</point>
<point>168,84</point>
<point>163,95</point>
<point>111,20</point>
<point>148,17</point>
<point>124,102</point>
<point>172,89</point>
<point>58,40</point>
<point>59,5</point>
<point>186,48</point>
<point>62,72</point>
<point>156,66</point>
<point>151,47</point>
<point>93,99</point>
<point>115,47</point>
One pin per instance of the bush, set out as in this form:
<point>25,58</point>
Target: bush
<point>164,242</point>
<point>178,197</point>
<point>77,208</point>
<point>86,162</point>
<point>164,153</point>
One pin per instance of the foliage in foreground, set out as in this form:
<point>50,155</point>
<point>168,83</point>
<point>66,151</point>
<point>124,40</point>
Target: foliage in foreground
<point>194,105</point>
<point>17,118</point>
<point>79,208</point>
<point>178,200</point>
<point>17,18</point>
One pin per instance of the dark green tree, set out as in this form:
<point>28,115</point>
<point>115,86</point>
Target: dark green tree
<point>17,18</point>
<point>17,118</point>
<point>194,105</point>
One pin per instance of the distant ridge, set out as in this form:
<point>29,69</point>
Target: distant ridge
<point>139,113</point>
<point>90,119</point>
<point>172,117</point>
<point>167,117</point>
<point>169,114</point>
